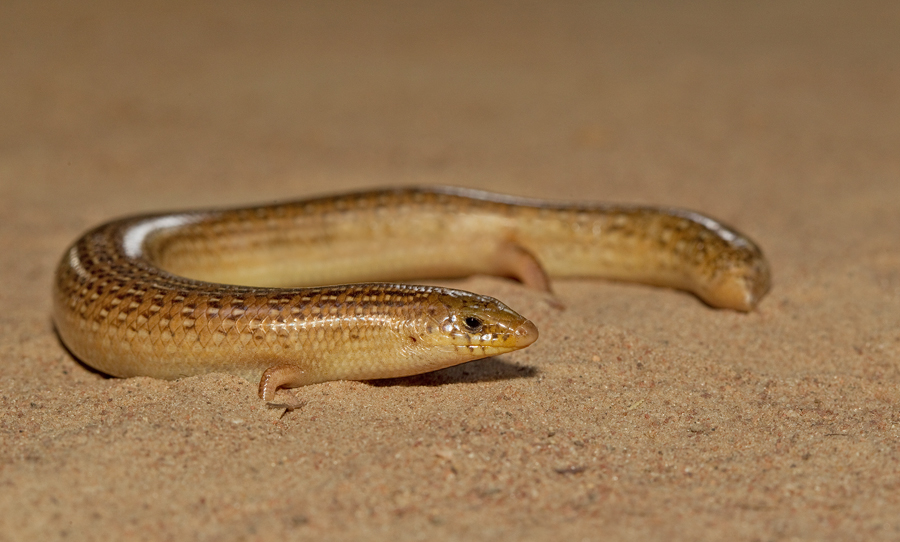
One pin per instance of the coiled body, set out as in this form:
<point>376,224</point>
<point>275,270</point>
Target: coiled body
<point>156,295</point>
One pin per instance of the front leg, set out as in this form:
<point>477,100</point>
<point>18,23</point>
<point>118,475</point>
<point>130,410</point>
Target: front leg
<point>283,375</point>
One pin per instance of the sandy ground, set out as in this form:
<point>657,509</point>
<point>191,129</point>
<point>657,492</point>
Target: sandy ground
<point>641,414</point>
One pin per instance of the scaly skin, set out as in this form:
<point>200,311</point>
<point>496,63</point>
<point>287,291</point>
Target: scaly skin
<point>123,302</point>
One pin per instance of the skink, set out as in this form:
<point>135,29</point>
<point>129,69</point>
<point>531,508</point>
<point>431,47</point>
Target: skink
<point>179,294</point>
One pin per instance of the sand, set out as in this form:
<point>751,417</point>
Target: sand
<point>640,414</point>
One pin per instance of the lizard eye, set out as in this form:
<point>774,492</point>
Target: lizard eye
<point>473,324</point>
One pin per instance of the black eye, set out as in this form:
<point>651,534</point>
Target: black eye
<point>473,324</point>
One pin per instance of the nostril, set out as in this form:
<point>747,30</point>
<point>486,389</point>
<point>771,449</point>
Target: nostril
<point>526,333</point>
